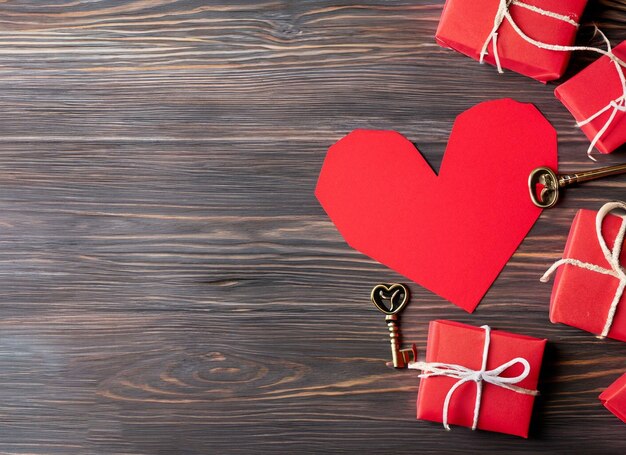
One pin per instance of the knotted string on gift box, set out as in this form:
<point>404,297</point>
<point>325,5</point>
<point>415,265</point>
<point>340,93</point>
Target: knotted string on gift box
<point>464,374</point>
<point>611,256</point>
<point>617,105</point>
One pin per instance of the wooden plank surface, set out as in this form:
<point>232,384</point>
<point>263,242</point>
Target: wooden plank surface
<point>168,282</point>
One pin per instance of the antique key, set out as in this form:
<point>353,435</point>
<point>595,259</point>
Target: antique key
<point>553,182</point>
<point>390,299</point>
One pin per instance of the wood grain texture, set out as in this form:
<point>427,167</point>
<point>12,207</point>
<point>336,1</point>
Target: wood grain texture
<point>168,282</point>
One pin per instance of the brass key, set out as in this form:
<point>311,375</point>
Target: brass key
<point>553,182</point>
<point>390,299</point>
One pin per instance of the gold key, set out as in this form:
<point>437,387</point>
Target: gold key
<point>390,299</point>
<point>551,182</point>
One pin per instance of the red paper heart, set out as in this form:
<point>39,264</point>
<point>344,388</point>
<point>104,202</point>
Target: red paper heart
<point>453,232</point>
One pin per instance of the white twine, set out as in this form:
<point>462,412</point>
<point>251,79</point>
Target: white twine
<point>611,256</point>
<point>618,104</point>
<point>503,13</point>
<point>464,374</point>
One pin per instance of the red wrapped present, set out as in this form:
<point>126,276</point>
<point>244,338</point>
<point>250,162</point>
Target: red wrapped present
<point>596,99</point>
<point>589,285</point>
<point>479,378</point>
<point>509,33</point>
<point>614,398</point>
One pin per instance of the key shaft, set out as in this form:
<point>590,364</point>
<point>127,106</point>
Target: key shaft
<point>594,174</point>
<point>400,358</point>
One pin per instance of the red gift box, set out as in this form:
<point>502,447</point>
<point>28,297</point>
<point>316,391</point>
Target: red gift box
<point>590,92</point>
<point>462,346</point>
<point>583,297</point>
<point>466,25</point>
<point>614,398</point>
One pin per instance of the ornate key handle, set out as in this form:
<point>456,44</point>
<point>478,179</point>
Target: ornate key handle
<point>390,299</point>
<point>551,183</point>
<point>548,195</point>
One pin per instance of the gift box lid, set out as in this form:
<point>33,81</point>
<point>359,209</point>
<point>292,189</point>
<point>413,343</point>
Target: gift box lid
<point>591,90</point>
<point>501,410</point>
<point>580,297</point>
<point>614,398</point>
<point>466,24</point>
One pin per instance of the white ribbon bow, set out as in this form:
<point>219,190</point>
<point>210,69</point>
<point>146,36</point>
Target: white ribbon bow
<point>464,374</point>
<point>611,256</point>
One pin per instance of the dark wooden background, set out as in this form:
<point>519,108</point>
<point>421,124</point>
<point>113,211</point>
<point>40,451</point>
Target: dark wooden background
<point>168,282</point>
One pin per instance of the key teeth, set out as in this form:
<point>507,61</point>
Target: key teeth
<point>404,357</point>
<point>409,355</point>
